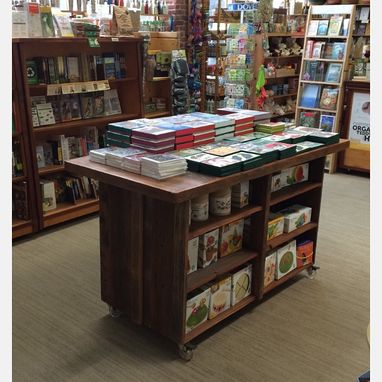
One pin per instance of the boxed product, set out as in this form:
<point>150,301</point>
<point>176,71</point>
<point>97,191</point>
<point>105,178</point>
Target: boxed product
<point>286,259</point>
<point>192,255</point>
<point>276,182</point>
<point>270,268</point>
<point>208,248</point>
<point>295,216</point>
<point>295,174</point>
<point>231,238</point>
<point>275,225</point>
<point>197,308</point>
<point>241,284</point>
<point>240,194</point>
<point>48,195</point>
<point>304,253</point>
<point>220,297</point>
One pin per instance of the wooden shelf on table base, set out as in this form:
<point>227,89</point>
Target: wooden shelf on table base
<point>143,252</point>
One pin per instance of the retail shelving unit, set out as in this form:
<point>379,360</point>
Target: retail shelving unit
<point>129,93</point>
<point>144,234</point>
<point>320,12</point>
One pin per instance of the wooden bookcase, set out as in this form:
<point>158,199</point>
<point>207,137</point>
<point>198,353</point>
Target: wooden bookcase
<point>129,93</point>
<point>321,12</point>
<point>20,137</point>
<point>143,251</point>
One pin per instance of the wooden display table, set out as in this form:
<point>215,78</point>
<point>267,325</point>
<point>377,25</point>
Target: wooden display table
<point>144,233</point>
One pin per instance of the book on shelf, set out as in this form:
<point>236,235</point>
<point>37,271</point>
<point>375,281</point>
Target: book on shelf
<point>329,98</point>
<point>327,122</point>
<point>87,105</point>
<point>73,68</point>
<point>309,48</point>
<point>318,48</point>
<point>309,118</point>
<point>65,109</point>
<point>338,52</point>
<point>31,69</point>
<point>335,25</point>
<point>20,200</point>
<point>99,104</point>
<point>47,21</point>
<point>328,51</point>
<point>20,22</point>
<point>48,195</point>
<point>75,108</point>
<point>111,100</point>
<point>47,149</point>
<point>109,66</point>
<point>45,114</point>
<point>62,24</point>
<point>333,73</point>
<point>312,29</point>
<point>361,29</point>
<point>345,27</point>
<point>322,29</point>
<point>310,95</point>
<point>34,20</point>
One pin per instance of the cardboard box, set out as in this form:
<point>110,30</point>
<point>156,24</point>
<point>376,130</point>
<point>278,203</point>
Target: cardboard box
<point>231,238</point>
<point>208,248</point>
<point>304,253</point>
<point>296,174</point>
<point>220,297</point>
<point>240,194</point>
<point>241,284</point>
<point>295,216</point>
<point>275,225</point>
<point>48,195</point>
<point>192,255</point>
<point>270,268</point>
<point>276,182</point>
<point>286,259</point>
<point>197,308</point>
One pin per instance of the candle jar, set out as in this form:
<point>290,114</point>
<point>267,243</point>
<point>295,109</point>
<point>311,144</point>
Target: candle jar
<point>199,208</point>
<point>220,202</point>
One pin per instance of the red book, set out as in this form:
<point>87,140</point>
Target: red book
<point>201,136</point>
<point>199,126</point>
<point>244,126</point>
<point>152,132</point>
<point>158,150</point>
<point>179,129</point>
<point>184,139</point>
<point>204,142</point>
<point>182,146</point>
<point>243,132</point>
<point>145,143</point>
<point>241,118</point>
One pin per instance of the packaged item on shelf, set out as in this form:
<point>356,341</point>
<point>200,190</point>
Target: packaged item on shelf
<point>296,174</point>
<point>220,297</point>
<point>241,284</point>
<point>208,248</point>
<point>197,308</point>
<point>220,202</point>
<point>220,166</point>
<point>193,161</point>
<point>295,216</point>
<point>270,268</point>
<point>275,225</point>
<point>276,182</point>
<point>199,208</point>
<point>286,259</point>
<point>48,195</point>
<point>240,194</point>
<point>247,160</point>
<point>304,251</point>
<point>192,255</point>
<point>162,166</point>
<point>231,238</point>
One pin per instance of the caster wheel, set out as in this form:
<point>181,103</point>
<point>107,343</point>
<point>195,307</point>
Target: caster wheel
<point>185,352</point>
<point>312,273</point>
<point>114,312</point>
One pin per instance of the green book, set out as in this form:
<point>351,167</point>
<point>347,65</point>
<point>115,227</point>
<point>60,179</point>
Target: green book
<point>31,68</point>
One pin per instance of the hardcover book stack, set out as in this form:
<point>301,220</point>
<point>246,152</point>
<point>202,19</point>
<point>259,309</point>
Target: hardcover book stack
<point>119,133</point>
<point>224,127</point>
<point>99,155</point>
<point>270,127</point>
<point>114,158</point>
<point>153,139</point>
<point>243,123</point>
<point>203,132</point>
<point>163,166</point>
<point>320,136</point>
<point>184,137</point>
<point>133,163</point>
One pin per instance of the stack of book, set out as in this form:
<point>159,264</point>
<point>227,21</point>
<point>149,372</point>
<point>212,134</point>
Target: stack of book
<point>184,138</point>
<point>99,155</point>
<point>320,136</point>
<point>193,161</point>
<point>132,163</point>
<point>119,133</point>
<point>248,137</point>
<point>153,139</point>
<point>114,157</point>
<point>270,127</point>
<point>220,166</point>
<point>268,154</point>
<point>247,160</point>
<point>163,166</point>
<point>307,146</point>
<point>203,132</point>
<point>243,123</point>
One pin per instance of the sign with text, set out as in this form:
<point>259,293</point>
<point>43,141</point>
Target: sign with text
<point>359,128</point>
<point>238,7</point>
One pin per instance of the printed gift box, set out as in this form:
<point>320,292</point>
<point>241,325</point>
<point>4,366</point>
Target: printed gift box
<point>270,268</point>
<point>296,174</point>
<point>197,308</point>
<point>241,284</point>
<point>231,237</point>
<point>240,194</point>
<point>295,216</point>
<point>208,248</point>
<point>220,297</point>
<point>192,255</point>
<point>304,253</point>
<point>286,259</point>
<point>275,225</point>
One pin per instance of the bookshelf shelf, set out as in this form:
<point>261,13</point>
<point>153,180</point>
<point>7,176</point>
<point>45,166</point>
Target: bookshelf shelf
<point>317,109</point>
<point>284,95</point>
<point>17,179</point>
<point>323,60</point>
<point>83,122</point>
<point>223,265</point>
<point>282,57</point>
<point>292,191</point>
<point>320,82</point>
<point>53,169</point>
<point>21,227</point>
<point>329,37</point>
<point>284,279</point>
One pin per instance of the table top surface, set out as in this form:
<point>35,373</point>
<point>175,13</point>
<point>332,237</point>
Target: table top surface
<point>191,184</point>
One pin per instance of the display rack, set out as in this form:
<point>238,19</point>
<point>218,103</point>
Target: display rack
<point>325,12</point>
<point>130,98</point>
<point>143,252</point>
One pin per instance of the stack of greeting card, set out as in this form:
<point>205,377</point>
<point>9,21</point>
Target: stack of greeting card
<point>162,166</point>
<point>153,139</point>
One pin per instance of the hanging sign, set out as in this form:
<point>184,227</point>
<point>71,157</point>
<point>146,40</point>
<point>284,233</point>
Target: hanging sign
<point>359,128</point>
<point>238,7</point>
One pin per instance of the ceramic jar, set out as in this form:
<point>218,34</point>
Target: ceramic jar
<point>199,208</point>
<point>220,202</point>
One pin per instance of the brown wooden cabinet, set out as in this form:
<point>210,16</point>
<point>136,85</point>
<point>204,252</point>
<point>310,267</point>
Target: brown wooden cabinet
<point>129,91</point>
<point>144,234</point>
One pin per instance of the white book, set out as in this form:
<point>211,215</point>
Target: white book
<point>19,23</point>
<point>34,20</point>
<point>45,114</point>
<point>111,100</point>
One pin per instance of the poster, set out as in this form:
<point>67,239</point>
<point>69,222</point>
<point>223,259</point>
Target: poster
<point>359,127</point>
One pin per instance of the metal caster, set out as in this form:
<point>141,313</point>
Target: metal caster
<point>186,352</point>
<point>312,271</point>
<point>114,312</point>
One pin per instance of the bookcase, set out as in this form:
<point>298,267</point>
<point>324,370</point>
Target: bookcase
<point>24,213</point>
<point>71,128</point>
<point>143,252</point>
<point>324,68</point>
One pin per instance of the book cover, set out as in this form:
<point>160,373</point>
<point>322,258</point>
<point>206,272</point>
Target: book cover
<point>45,114</point>
<point>31,68</point>
<point>40,156</point>
<point>47,21</point>
<point>309,118</point>
<point>109,66</point>
<point>312,29</point>
<point>318,47</point>
<point>20,22</point>
<point>65,111</point>
<point>73,69</point>
<point>75,107</point>
<point>48,154</point>
<point>112,105</point>
<point>327,122</point>
<point>87,105</point>
<point>329,98</point>
<point>64,27</point>
<point>309,48</point>
<point>52,71</point>
<point>345,27</point>
<point>322,29</point>
<point>310,95</point>
<point>335,25</point>
<point>328,50</point>
<point>99,104</point>
<point>48,195</point>
<point>34,20</point>
<point>333,73</point>
<point>154,133</point>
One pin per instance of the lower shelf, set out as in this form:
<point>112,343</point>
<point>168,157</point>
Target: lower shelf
<point>67,211</point>
<point>289,276</point>
<point>210,323</point>
<point>21,227</point>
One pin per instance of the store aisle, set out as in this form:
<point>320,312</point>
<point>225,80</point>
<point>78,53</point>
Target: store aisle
<point>311,330</point>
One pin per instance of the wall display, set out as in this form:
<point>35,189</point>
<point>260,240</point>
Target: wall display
<point>359,126</point>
